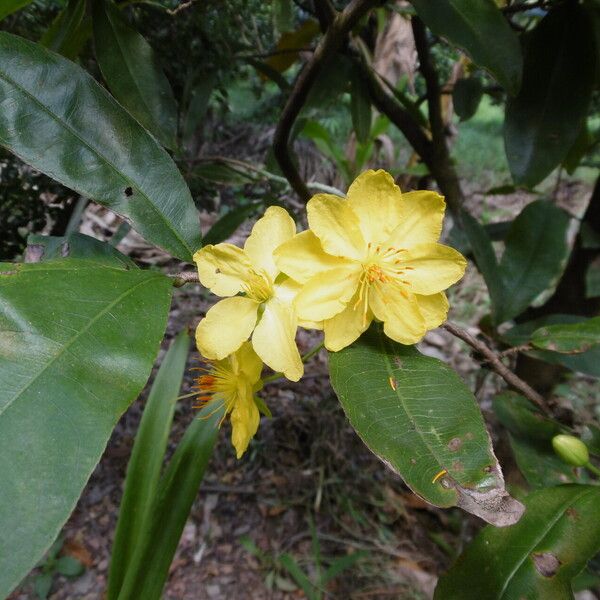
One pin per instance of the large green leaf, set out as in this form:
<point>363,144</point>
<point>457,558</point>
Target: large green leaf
<point>534,559</point>
<point>535,256</point>
<point>131,70</point>
<point>587,362</point>
<point>568,339</point>
<point>145,464</point>
<point>544,120</point>
<point>69,31</point>
<point>10,6</point>
<point>58,119</point>
<point>478,27</point>
<point>417,415</point>
<point>485,258</point>
<point>173,501</point>
<point>77,342</point>
<point>466,96</point>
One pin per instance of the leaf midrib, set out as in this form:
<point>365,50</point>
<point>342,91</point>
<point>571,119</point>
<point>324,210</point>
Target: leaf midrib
<point>541,537</point>
<point>72,340</point>
<point>75,134</point>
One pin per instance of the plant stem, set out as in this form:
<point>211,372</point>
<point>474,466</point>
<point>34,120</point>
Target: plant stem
<point>494,360</point>
<point>590,467</point>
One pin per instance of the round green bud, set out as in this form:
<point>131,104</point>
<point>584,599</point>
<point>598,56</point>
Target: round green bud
<point>571,449</point>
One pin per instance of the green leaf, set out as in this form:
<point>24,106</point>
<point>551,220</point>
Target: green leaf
<point>291,566</point>
<point>75,245</point>
<point>132,72</point>
<point>485,258</point>
<point>568,339</point>
<point>228,223</point>
<point>360,107</point>
<point>535,256</point>
<point>466,96</point>
<point>176,492</point>
<point>283,15</point>
<point>69,566</point>
<point>418,416</point>
<point>578,150</point>
<point>539,464</point>
<point>586,362</point>
<point>592,280</point>
<point>198,105</point>
<point>341,564</point>
<point>43,584</point>
<point>10,6</point>
<point>523,419</point>
<point>77,343</point>
<point>479,28</point>
<point>536,558</point>
<point>69,31</point>
<point>47,103</point>
<point>145,464</point>
<point>544,120</point>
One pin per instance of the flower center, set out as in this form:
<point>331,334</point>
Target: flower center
<point>216,386</point>
<point>258,286</point>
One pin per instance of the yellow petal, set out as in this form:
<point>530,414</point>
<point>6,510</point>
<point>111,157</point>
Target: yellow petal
<point>226,326</point>
<point>248,362</point>
<point>347,326</point>
<point>402,319</point>
<point>222,268</point>
<point>245,418</point>
<point>434,309</point>
<point>377,201</point>
<point>336,225</point>
<point>423,214</point>
<point>326,294</point>
<point>432,268</point>
<point>274,339</point>
<point>302,257</point>
<point>271,230</point>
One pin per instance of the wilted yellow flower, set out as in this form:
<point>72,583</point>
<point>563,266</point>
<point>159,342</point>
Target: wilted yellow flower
<point>231,383</point>
<point>265,311</point>
<point>372,255</point>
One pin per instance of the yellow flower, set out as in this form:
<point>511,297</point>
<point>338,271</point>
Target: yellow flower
<point>231,383</point>
<point>372,255</point>
<point>265,311</point>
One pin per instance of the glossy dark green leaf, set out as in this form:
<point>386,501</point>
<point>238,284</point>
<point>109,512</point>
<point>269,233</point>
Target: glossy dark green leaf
<point>586,362</point>
<point>10,6</point>
<point>228,223</point>
<point>534,559</point>
<point>535,256</point>
<point>466,96</point>
<point>69,31</point>
<point>75,245</point>
<point>544,120</point>
<point>592,280</point>
<point>49,102</point>
<point>175,495</point>
<point>360,107</point>
<point>578,150</point>
<point>418,416</point>
<point>480,29</point>
<point>77,343</point>
<point>145,464</point>
<point>523,419</point>
<point>568,339</point>
<point>132,73</point>
<point>539,464</point>
<point>485,258</point>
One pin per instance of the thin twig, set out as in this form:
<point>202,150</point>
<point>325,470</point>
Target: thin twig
<point>494,360</point>
<point>515,350</point>
<point>180,279</point>
<point>327,47</point>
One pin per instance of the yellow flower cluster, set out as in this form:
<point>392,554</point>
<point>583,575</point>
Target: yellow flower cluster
<point>373,255</point>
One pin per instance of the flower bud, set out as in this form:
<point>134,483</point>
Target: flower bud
<point>571,449</point>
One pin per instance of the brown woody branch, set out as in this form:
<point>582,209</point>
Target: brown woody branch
<point>494,360</point>
<point>327,47</point>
